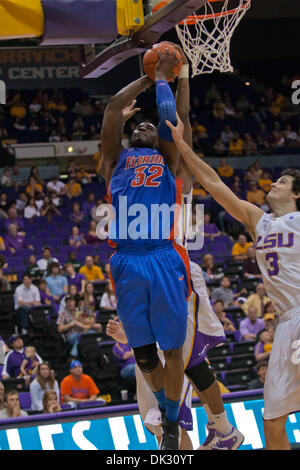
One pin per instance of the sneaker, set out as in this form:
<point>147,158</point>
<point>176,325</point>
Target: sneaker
<point>211,438</point>
<point>170,435</point>
<point>231,441</point>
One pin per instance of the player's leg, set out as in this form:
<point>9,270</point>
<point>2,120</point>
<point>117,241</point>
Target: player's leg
<point>169,282</point>
<point>275,434</point>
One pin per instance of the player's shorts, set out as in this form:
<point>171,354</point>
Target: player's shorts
<point>204,329</point>
<point>148,406</point>
<point>152,287</point>
<point>282,384</point>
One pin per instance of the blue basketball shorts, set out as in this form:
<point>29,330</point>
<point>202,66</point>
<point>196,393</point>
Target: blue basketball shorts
<point>152,287</point>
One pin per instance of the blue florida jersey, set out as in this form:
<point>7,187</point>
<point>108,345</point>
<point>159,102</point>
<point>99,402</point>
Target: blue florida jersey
<point>146,200</point>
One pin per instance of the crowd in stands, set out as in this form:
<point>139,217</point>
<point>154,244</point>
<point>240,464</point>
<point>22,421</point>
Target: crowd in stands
<point>229,118</point>
<point>51,255</point>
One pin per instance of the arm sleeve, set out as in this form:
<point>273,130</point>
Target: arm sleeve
<point>166,107</point>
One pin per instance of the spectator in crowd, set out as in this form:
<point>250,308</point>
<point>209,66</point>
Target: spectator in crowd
<point>14,219</point>
<point>15,357</point>
<point>91,271</point>
<point>211,271</point>
<point>4,283</point>
<point>265,181</point>
<point>82,175</point>
<point>48,209</point>
<point>45,294</point>
<point>210,229</point>
<point>26,296</point>
<point>224,318</point>
<point>91,236</point>
<point>72,259</point>
<point>31,210</point>
<point>34,171</point>
<point>239,249</point>
<point>73,292</point>
<point>12,407</point>
<point>4,205</point>
<point>1,396</point>
<point>3,263</point>
<point>270,321</point>
<point>18,177</point>
<point>88,298</point>
<point>107,271</point>
<point>50,402</point>
<point>126,361</point>
<point>56,185</point>
<point>75,278</point>
<point>21,203</point>
<point>251,326</point>
<point>108,299</point>
<point>33,187</point>
<point>255,195</point>
<point>32,270</point>
<point>254,172</point>
<point>250,267</point>
<point>227,135</point>
<point>56,283</point>
<point>14,241</point>
<point>220,148</point>
<point>87,314</point>
<point>236,146</point>
<point>94,210</point>
<point>263,348</point>
<point>224,169</point>
<point>73,188</point>
<point>69,325</point>
<point>212,94</point>
<point>259,381</point>
<point>43,382</point>
<point>77,215</point>
<point>225,293</point>
<point>6,178</point>
<point>78,387</point>
<point>258,300</point>
<point>46,260</point>
<point>250,147</point>
<point>76,239</point>
<point>29,366</point>
<point>89,204</point>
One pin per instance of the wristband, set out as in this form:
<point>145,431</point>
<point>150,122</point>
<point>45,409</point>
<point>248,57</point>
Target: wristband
<point>185,71</point>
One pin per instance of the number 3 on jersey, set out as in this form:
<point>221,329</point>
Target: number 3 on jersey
<point>149,180</point>
<point>272,258</point>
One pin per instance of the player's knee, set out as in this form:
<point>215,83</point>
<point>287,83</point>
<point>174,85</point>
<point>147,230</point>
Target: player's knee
<point>201,375</point>
<point>173,355</point>
<point>146,357</point>
<point>275,427</point>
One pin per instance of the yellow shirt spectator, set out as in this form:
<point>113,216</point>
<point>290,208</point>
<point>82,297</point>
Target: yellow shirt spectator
<point>225,170</point>
<point>2,244</point>
<point>236,147</point>
<point>265,184</point>
<point>38,187</point>
<point>73,188</point>
<point>92,273</point>
<point>256,197</point>
<point>239,249</point>
<point>18,111</point>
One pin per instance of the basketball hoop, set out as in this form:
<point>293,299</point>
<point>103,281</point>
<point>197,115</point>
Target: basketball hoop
<point>205,38</point>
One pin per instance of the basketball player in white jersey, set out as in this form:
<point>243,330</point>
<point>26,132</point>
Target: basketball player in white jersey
<point>277,240</point>
<point>204,331</point>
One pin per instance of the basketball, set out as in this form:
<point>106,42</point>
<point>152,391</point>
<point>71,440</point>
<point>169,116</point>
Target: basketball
<point>151,58</point>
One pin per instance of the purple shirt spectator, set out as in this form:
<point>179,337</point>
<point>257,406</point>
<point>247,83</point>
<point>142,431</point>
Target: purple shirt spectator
<point>16,242</point>
<point>77,217</point>
<point>211,228</point>
<point>119,350</point>
<point>45,297</point>
<point>76,280</point>
<point>87,207</point>
<point>13,362</point>
<point>247,327</point>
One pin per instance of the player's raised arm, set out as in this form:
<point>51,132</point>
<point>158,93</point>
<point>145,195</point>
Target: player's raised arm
<point>244,211</point>
<point>113,122</point>
<point>166,107</point>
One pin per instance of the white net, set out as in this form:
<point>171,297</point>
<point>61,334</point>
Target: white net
<point>206,37</point>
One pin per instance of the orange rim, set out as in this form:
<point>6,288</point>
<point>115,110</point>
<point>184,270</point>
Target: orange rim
<point>193,19</point>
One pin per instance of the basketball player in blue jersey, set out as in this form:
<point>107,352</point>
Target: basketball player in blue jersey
<point>277,242</point>
<point>150,273</point>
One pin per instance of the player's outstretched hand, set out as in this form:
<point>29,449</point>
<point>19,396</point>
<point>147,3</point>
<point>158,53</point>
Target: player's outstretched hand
<point>165,66</point>
<point>130,110</point>
<point>177,131</point>
<point>116,331</point>
<point>183,56</point>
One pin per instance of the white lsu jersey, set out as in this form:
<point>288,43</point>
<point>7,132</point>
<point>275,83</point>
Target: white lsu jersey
<point>278,256</point>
